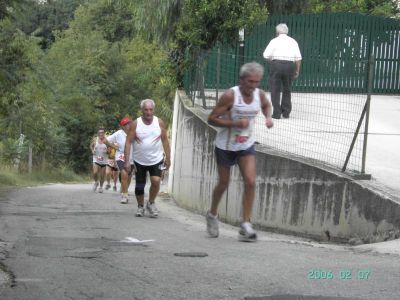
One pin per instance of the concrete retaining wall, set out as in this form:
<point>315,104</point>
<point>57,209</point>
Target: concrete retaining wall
<point>292,195</point>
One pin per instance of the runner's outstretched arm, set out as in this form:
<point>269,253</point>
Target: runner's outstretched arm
<point>130,137</point>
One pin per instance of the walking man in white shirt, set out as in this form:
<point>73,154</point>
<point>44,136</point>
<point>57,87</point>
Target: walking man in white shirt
<point>284,56</point>
<point>149,141</point>
<point>235,113</point>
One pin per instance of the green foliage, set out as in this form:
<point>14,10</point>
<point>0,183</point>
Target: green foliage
<point>25,105</point>
<point>205,22</point>
<point>286,7</point>
<point>96,82</point>
<point>15,60</point>
<point>113,19</point>
<point>69,66</point>
<point>386,8</point>
<point>43,18</point>
<point>156,19</point>
<point>8,6</point>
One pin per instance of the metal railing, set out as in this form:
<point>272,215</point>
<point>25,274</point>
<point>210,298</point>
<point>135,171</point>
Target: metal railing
<point>325,126</point>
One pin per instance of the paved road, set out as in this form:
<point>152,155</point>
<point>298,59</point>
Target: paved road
<point>63,242</point>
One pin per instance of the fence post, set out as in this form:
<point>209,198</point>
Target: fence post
<point>30,159</point>
<point>218,73</point>
<point>371,69</point>
<point>241,47</point>
<point>200,77</point>
<point>365,113</point>
<point>17,158</point>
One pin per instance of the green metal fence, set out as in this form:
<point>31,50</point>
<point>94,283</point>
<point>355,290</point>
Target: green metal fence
<point>334,47</point>
<point>346,58</point>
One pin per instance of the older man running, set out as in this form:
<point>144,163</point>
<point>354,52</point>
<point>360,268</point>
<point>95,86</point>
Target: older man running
<point>235,112</point>
<point>148,137</point>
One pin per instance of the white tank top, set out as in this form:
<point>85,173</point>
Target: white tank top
<point>119,138</point>
<point>147,147</point>
<point>236,139</point>
<point>100,153</point>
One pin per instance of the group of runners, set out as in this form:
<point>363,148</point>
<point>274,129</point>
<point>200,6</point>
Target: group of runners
<point>139,146</point>
<point>142,146</point>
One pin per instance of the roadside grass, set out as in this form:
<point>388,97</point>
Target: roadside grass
<point>9,177</point>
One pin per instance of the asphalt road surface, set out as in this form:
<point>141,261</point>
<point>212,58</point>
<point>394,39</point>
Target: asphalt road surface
<point>67,242</point>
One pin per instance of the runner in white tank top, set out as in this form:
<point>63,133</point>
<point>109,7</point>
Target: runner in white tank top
<point>100,156</point>
<point>235,139</point>
<point>99,150</point>
<point>119,138</point>
<point>235,113</point>
<point>147,147</point>
<point>149,140</point>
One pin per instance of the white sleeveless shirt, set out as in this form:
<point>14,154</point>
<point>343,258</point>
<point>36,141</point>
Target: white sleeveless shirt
<point>119,138</point>
<point>147,147</point>
<point>100,153</point>
<point>237,139</point>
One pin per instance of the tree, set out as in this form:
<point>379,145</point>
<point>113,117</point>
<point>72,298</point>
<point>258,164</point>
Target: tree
<point>385,8</point>
<point>285,7</point>
<point>156,19</point>
<point>114,19</point>
<point>8,6</point>
<point>24,107</point>
<point>43,18</point>
<point>206,22</point>
<point>99,74</point>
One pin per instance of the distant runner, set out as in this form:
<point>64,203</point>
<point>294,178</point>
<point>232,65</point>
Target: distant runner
<point>112,171</point>
<point>119,138</point>
<point>100,158</point>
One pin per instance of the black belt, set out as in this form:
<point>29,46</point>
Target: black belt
<point>283,61</point>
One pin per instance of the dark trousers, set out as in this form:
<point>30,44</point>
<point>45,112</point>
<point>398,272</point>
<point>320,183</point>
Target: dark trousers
<point>280,79</point>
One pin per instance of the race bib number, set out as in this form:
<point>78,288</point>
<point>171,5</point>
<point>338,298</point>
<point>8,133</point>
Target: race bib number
<point>241,139</point>
<point>121,157</point>
<point>241,136</point>
<point>100,158</point>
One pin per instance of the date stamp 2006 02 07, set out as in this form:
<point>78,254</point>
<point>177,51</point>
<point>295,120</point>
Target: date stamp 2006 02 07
<point>344,274</point>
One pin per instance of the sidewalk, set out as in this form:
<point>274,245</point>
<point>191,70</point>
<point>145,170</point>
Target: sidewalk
<point>383,150</point>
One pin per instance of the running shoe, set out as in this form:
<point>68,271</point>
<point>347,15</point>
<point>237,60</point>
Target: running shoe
<point>212,225</point>
<point>108,186</point>
<point>95,185</point>
<point>152,209</point>
<point>247,233</point>
<point>100,189</point>
<point>140,211</point>
<point>124,199</point>
<point>114,188</point>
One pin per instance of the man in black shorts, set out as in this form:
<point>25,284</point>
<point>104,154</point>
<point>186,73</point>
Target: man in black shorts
<point>235,113</point>
<point>149,140</point>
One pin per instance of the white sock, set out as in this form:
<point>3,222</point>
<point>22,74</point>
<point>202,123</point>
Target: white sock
<point>211,215</point>
<point>248,227</point>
